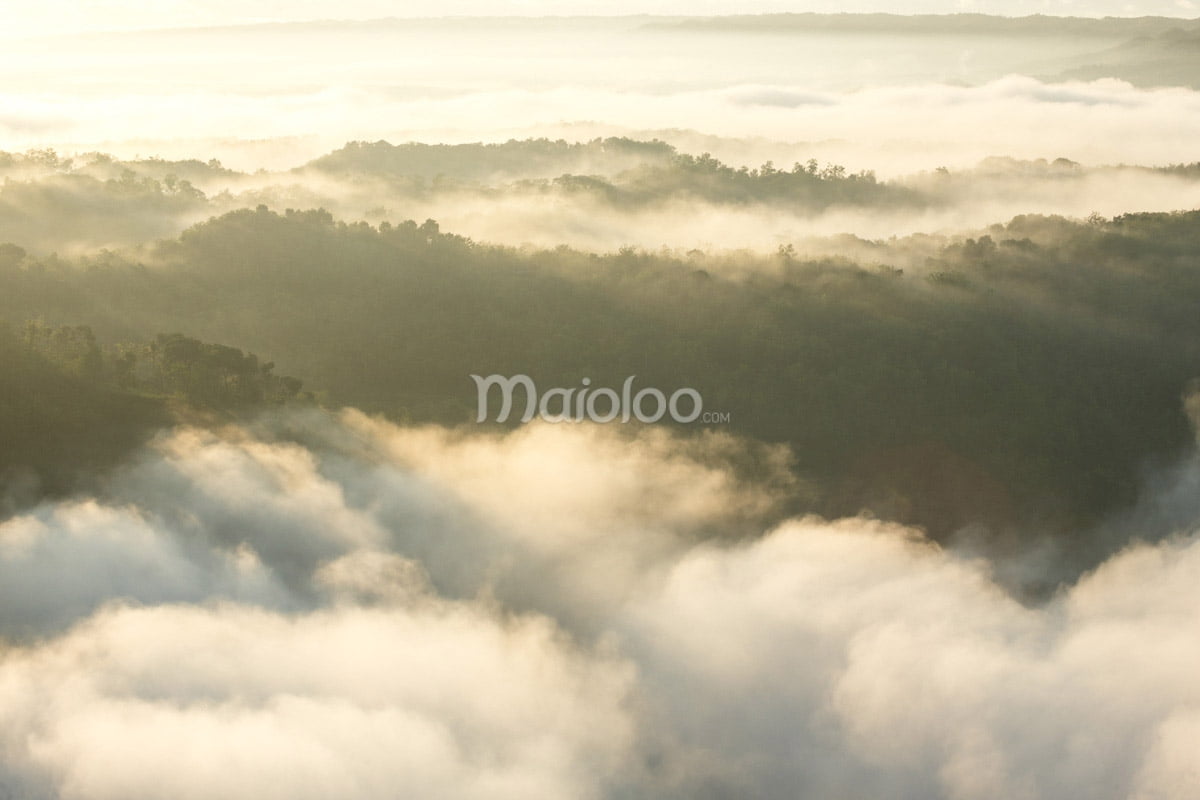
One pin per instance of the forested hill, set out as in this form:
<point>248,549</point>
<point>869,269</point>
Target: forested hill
<point>619,173</point>
<point>71,408</point>
<point>1035,369</point>
<point>482,162</point>
<point>599,194</point>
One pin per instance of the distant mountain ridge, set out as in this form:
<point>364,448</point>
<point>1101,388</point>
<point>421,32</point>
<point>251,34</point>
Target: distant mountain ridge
<point>1037,24</point>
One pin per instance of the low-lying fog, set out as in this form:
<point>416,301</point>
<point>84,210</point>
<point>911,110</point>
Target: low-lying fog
<point>366,611</point>
<point>588,196</point>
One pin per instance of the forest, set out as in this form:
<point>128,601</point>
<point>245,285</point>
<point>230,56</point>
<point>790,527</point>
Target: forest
<point>1035,370</point>
<point>71,409</point>
<point>598,195</point>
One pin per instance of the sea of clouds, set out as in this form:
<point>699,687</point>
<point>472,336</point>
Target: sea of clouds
<point>332,606</point>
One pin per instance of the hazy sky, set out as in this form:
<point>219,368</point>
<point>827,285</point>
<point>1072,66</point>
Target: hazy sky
<point>70,16</point>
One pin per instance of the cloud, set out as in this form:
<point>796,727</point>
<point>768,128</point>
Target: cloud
<point>335,606</point>
<point>972,200</point>
<point>917,674</point>
<point>60,563</point>
<point>900,106</point>
<point>890,129</point>
<point>783,98</point>
<point>437,700</point>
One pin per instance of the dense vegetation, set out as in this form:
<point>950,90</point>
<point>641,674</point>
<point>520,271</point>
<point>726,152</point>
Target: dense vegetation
<point>624,173</point>
<point>70,407</point>
<point>58,424</point>
<point>1025,375</point>
<point>88,202</point>
<point>487,162</point>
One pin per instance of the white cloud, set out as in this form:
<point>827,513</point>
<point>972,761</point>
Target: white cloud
<point>818,658</point>
<point>236,702</point>
<point>889,105</point>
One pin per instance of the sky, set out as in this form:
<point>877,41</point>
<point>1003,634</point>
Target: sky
<point>872,102</point>
<point>69,16</point>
